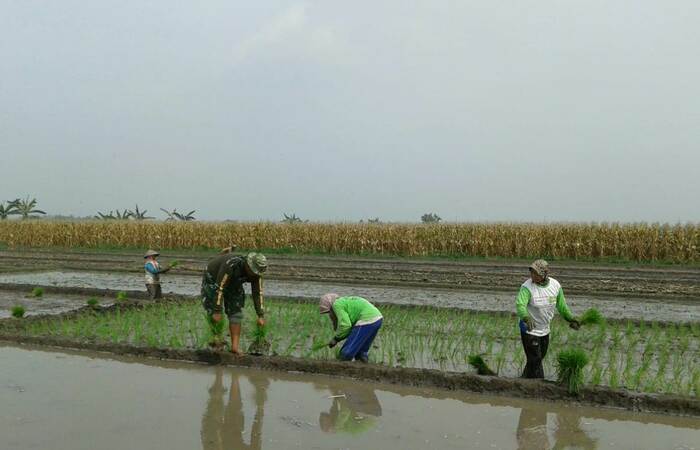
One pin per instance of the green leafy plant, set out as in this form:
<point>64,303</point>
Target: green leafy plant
<point>18,311</point>
<point>121,296</point>
<point>174,264</point>
<point>259,344</point>
<point>570,365</point>
<point>217,331</point>
<point>38,292</point>
<point>477,362</point>
<point>92,302</point>
<point>592,317</point>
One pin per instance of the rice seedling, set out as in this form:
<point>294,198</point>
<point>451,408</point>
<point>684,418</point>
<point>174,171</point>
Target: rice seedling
<point>121,296</point>
<point>38,292</point>
<point>216,330</point>
<point>662,360</point>
<point>477,362</point>
<point>174,264</point>
<point>259,345</point>
<point>570,365</point>
<point>92,302</point>
<point>592,317</point>
<point>17,311</point>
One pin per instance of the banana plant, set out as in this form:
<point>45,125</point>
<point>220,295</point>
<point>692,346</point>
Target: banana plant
<point>26,208</point>
<point>6,211</point>
<point>174,215</point>
<point>292,218</point>
<point>140,215</point>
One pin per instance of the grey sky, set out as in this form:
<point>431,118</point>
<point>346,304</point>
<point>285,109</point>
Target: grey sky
<point>477,110</point>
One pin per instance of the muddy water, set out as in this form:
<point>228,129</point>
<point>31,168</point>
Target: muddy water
<point>687,310</point>
<point>81,401</point>
<point>49,303</point>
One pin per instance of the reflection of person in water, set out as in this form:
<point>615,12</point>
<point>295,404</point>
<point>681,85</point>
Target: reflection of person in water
<point>354,410</point>
<point>532,431</point>
<point>223,425</point>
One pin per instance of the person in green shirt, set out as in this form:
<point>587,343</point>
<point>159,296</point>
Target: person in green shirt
<point>535,304</point>
<point>354,319</point>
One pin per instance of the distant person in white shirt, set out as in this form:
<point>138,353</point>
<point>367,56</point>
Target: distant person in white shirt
<point>539,296</point>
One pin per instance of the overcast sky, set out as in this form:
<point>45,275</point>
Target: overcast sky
<point>477,110</point>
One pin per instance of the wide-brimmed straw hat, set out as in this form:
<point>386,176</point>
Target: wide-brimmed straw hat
<point>151,253</point>
<point>256,262</point>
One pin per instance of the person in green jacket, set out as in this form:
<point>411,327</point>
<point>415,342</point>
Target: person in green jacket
<point>537,299</point>
<point>354,319</point>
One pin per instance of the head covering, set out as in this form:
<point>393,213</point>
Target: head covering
<point>326,303</point>
<point>540,267</point>
<point>257,263</point>
<point>151,253</point>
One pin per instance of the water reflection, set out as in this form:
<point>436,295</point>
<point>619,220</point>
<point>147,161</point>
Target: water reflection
<point>532,432</point>
<point>353,410</point>
<point>223,423</point>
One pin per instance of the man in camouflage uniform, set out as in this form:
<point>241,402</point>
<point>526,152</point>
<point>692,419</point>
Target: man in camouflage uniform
<point>222,289</point>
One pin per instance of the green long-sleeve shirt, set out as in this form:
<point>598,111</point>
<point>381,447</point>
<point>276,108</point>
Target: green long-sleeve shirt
<point>351,311</point>
<point>538,303</point>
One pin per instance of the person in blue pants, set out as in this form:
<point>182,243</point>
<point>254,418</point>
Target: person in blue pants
<point>355,320</point>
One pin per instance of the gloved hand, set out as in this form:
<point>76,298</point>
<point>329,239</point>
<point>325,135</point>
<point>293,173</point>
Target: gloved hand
<point>574,324</point>
<point>529,323</point>
<point>332,343</point>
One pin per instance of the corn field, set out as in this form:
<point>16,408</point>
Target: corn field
<point>605,241</point>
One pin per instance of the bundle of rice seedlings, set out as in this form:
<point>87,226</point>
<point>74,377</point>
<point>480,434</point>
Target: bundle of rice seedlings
<point>217,331</point>
<point>174,264</point>
<point>570,364</point>
<point>319,345</point>
<point>18,311</point>
<point>38,292</point>
<point>121,295</point>
<point>477,362</point>
<point>592,317</point>
<point>92,302</point>
<point>259,345</point>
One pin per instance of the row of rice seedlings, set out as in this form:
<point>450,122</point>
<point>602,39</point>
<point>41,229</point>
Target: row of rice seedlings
<point>622,355</point>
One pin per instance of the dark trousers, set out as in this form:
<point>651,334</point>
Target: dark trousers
<point>535,351</point>
<point>360,341</point>
<point>154,291</point>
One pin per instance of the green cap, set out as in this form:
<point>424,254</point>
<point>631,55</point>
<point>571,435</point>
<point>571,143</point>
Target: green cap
<point>257,263</point>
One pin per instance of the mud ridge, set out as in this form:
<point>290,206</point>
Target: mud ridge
<point>512,387</point>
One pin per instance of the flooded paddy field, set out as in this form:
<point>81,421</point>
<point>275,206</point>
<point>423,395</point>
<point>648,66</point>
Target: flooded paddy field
<point>48,303</point>
<point>660,309</point>
<point>115,403</point>
<point>599,279</point>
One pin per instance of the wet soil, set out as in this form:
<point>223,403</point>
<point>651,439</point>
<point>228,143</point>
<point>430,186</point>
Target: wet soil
<point>122,402</point>
<point>49,303</point>
<point>679,309</point>
<point>578,278</point>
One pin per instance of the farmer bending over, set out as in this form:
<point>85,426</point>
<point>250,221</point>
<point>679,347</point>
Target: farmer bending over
<point>353,318</point>
<point>222,288</point>
<point>153,271</point>
<point>535,304</point>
